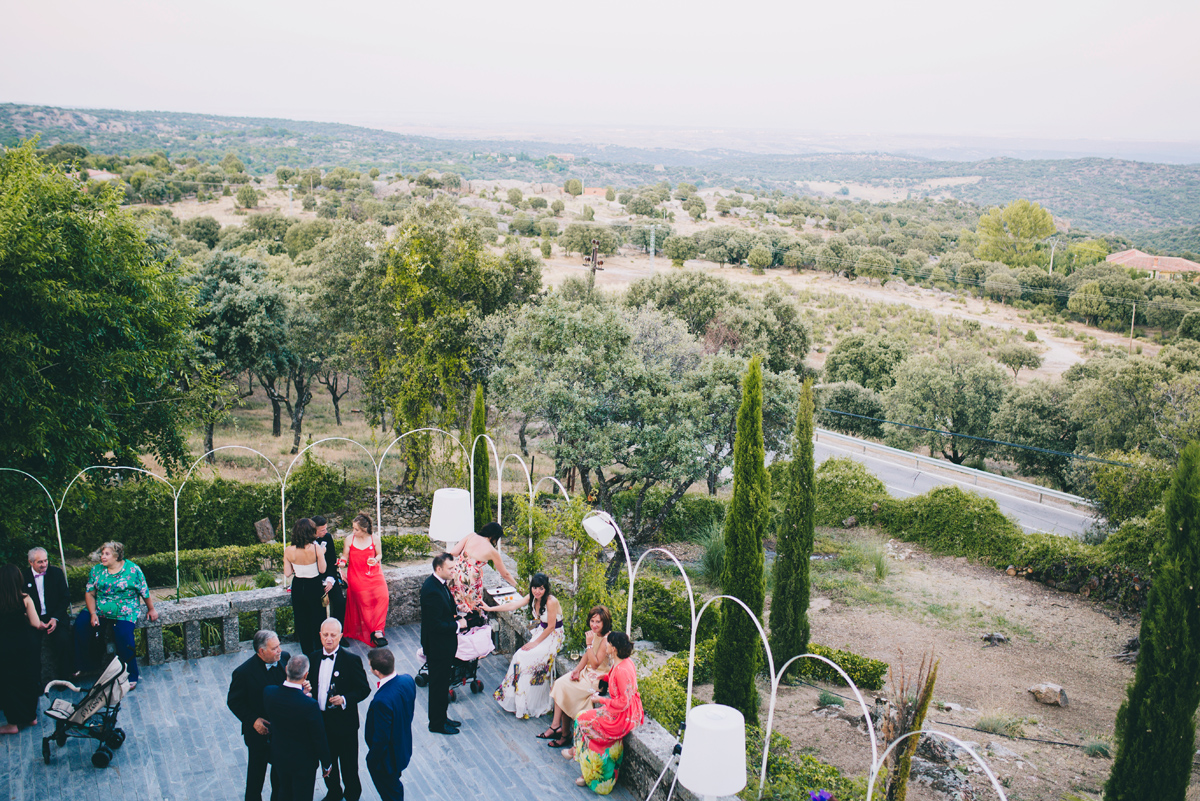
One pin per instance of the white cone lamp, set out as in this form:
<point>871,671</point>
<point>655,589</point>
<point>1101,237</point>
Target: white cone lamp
<point>453,515</point>
<point>600,527</point>
<point>713,762</point>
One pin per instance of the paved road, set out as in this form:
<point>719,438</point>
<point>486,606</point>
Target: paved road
<point>903,480</point>
<point>184,745</point>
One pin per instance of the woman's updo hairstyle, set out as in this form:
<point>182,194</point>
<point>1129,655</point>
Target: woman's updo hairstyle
<point>364,523</point>
<point>621,643</point>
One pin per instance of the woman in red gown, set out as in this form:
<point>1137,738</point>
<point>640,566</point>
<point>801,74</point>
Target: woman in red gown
<point>366,588</point>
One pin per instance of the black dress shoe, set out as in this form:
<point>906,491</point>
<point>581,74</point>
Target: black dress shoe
<point>444,730</point>
<point>456,723</point>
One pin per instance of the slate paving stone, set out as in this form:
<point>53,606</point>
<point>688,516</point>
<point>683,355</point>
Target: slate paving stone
<point>184,745</point>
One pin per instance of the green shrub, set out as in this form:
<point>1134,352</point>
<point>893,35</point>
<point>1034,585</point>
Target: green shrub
<point>791,777</point>
<point>676,668</point>
<point>712,562</point>
<point>826,698</point>
<point>865,672</point>
<point>663,699</point>
<point>265,579</point>
<point>690,517</point>
<point>661,611</point>
<point>845,488</point>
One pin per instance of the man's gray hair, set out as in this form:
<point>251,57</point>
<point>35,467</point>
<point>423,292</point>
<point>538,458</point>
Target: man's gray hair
<point>331,622</point>
<point>261,638</point>
<point>297,667</point>
<point>38,549</point>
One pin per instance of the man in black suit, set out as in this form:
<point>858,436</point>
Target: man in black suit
<point>335,587</point>
<point>264,669</point>
<point>47,586</point>
<point>298,741</point>
<point>439,639</point>
<point>339,686</point>
<point>389,725</point>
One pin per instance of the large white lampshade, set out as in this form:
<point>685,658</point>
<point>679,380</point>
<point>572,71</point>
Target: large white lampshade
<point>600,527</point>
<point>453,516</point>
<point>713,762</point>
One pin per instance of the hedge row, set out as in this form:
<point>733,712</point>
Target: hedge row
<point>139,512</point>
<point>865,672</point>
<point>234,560</point>
<point>949,520</point>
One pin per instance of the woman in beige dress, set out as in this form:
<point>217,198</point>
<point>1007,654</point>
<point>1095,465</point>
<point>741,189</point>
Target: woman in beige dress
<point>572,693</point>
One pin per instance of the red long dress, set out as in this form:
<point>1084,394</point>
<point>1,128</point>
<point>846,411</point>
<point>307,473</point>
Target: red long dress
<point>366,595</point>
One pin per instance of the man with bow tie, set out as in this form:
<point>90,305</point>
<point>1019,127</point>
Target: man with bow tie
<point>439,640</point>
<point>264,669</point>
<point>46,585</point>
<point>339,687</point>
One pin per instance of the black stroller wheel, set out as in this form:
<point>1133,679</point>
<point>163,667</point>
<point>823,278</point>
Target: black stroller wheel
<point>60,738</point>
<point>421,680</point>
<point>116,739</point>
<point>477,686</point>
<point>452,695</point>
<point>46,750</point>
<point>102,757</point>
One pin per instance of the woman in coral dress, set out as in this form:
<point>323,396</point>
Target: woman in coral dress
<point>366,588</point>
<point>600,733</point>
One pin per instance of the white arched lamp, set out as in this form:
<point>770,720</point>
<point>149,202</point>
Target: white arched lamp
<point>713,762</point>
<point>453,515</point>
<point>601,527</point>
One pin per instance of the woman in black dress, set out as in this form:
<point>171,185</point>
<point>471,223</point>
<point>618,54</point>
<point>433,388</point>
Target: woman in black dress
<point>19,623</point>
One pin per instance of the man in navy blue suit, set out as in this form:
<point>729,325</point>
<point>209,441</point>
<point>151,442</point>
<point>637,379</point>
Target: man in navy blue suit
<point>298,741</point>
<point>439,639</point>
<point>389,725</point>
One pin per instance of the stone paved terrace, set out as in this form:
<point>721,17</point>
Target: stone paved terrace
<point>184,744</point>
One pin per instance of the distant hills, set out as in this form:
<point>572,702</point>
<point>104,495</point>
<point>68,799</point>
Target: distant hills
<point>1154,204</point>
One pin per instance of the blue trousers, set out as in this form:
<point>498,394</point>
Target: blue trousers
<point>84,642</point>
<point>388,785</point>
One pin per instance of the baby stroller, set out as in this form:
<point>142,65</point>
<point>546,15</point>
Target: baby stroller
<point>95,716</point>
<point>473,644</point>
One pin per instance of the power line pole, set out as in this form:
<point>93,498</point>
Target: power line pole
<point>595,261</point>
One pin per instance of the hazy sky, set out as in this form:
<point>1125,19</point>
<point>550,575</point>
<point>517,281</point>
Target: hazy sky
<point>1032,68</point>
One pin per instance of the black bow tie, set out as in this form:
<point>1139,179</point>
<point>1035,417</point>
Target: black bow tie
<point>328,656</point>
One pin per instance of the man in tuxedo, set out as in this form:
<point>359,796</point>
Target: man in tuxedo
<point>245,700</point>
<point>47,586</point>
<point>439,639</point>
<point>389,725</point>
<point>339,687</point>
<point>298,743</point>
<point>335,587</point>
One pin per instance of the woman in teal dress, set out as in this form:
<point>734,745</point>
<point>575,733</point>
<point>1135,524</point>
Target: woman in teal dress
<point>115,591</point>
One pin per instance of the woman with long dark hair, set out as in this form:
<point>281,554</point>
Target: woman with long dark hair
<point>304,562</point>
<point>525,690</point>
<point>19,622</point>
<point>366,588</point>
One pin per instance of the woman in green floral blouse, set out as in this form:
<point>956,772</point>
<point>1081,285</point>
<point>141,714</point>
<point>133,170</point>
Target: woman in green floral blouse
<point>116,589</point>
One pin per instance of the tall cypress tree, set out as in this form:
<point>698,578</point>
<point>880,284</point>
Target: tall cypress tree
<point>1156,727</point>
<point>483,507</point>
<point>794,543</point>
<point>738,644</point>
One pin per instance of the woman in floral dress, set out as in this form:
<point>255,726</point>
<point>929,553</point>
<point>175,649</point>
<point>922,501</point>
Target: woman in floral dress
<point>115,591</point>
<point>525,690</point>
<point>600,733</point>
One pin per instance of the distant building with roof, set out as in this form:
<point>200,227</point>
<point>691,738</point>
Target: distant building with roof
<point>1167,266</point>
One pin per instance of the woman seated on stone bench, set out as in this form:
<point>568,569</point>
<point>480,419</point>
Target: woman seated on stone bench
<point>115,591</point>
